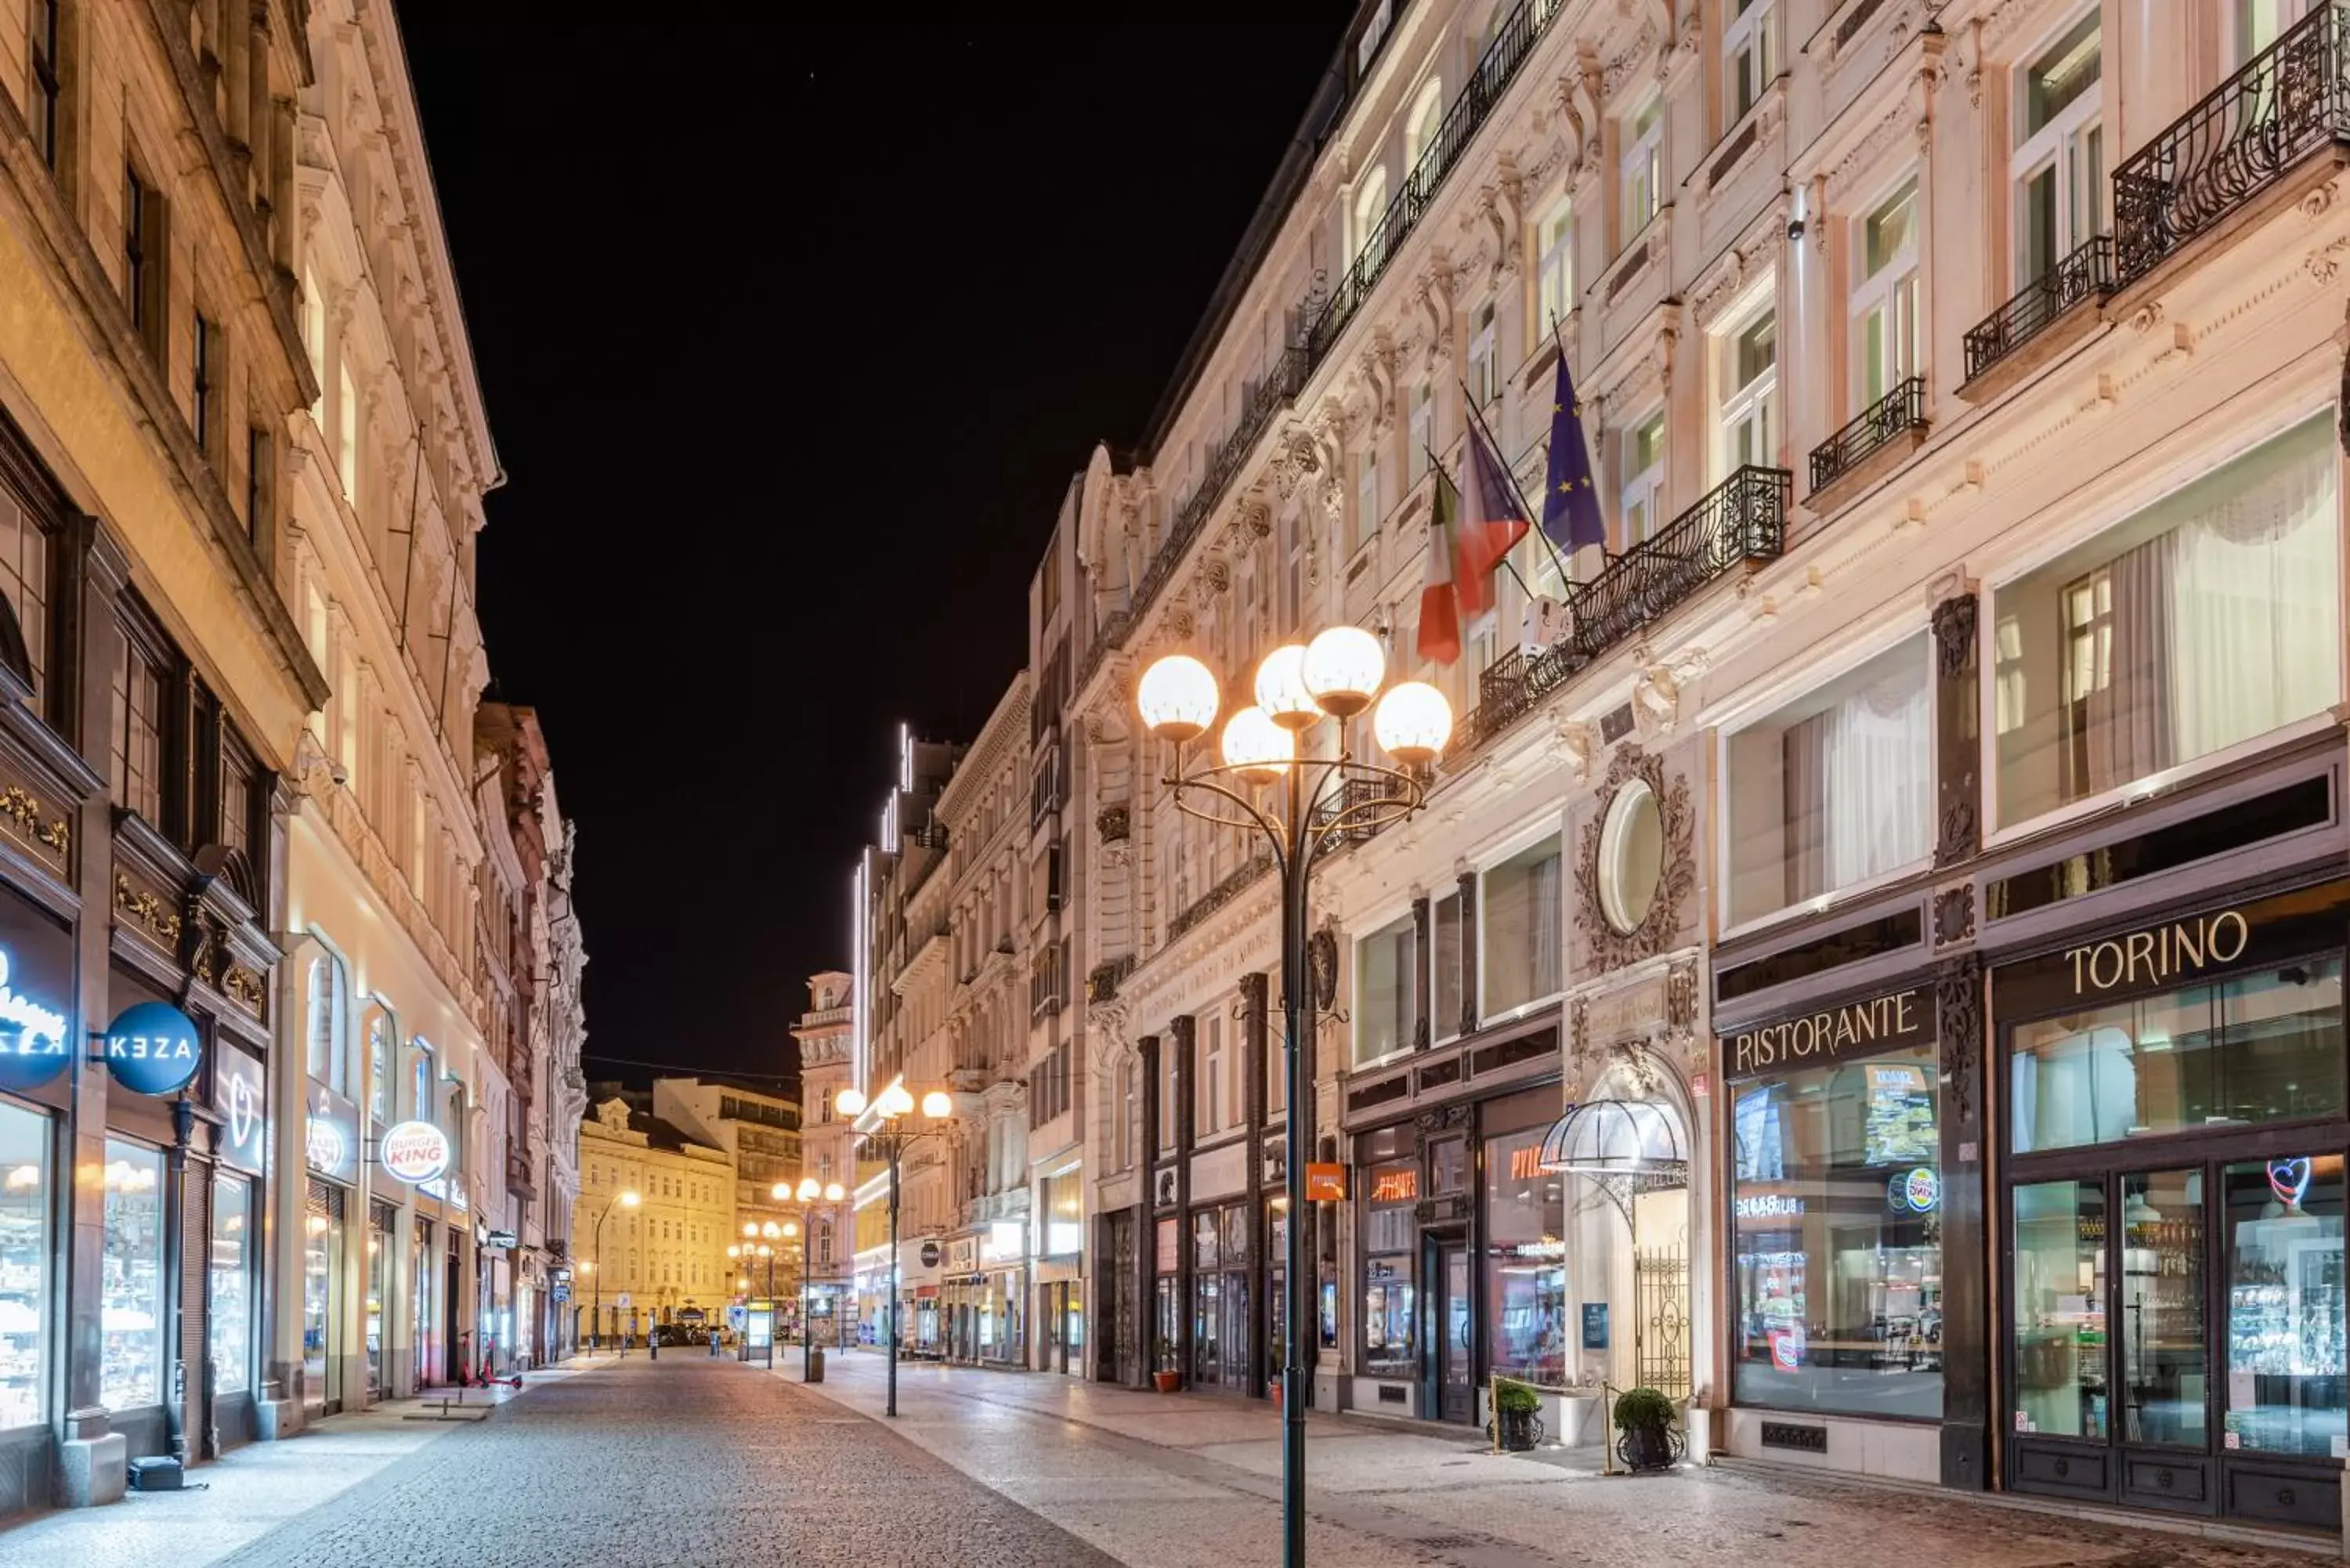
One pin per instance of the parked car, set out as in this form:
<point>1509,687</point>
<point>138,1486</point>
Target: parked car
<point>669,1333</point>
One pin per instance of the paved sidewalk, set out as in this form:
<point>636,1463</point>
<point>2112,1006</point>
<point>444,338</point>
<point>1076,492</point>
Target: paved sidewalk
<point>245,1494</point>
<point>1192,1481</point>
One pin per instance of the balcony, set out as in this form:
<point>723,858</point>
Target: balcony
<point>1217,896</point>
<point>1101,985</point>
<point>1741,520</point>
<point>1514,40</point>
<point>1871,447</point>
<point>2040,323</point>
<point>2239,154</point>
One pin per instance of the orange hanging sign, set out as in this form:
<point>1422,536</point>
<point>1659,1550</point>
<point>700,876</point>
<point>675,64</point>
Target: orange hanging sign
<point>1326,1182</point>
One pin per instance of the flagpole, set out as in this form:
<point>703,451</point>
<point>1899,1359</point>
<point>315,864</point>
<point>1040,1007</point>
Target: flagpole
<point>1534,518</point>
<point>1438,463</point>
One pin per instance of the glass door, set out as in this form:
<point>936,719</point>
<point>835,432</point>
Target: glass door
<point>2163,1341</point>
<point>1456,1358</point>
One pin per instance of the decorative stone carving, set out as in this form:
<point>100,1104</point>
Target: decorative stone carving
<point>1958,1010</point>
<point>1954,635</point>
<point>1657,695</point>
<point>1954,914</point>
<point>1680,995</point>
<point>1611,949</point>
<point>1321,965</point>
<point>1580,743</point>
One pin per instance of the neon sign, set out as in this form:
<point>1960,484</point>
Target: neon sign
<point>2289,1179</point>
<point>34,1051</point>
<point>151,1048</point>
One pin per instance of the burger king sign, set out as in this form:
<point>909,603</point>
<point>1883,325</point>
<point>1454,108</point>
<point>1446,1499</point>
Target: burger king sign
<point>414,1151</point>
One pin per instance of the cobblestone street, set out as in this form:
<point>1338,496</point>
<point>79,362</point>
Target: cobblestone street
<point>706,1464</point>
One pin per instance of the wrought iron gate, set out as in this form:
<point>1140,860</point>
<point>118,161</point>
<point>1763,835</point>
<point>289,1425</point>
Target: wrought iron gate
<point>1125,1347</point>
<point>1661,1338</point>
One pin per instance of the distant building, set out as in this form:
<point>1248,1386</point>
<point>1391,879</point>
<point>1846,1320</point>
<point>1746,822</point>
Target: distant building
<point>828,1151</point>
<point>759,1131</point>
<point>642,1265</point>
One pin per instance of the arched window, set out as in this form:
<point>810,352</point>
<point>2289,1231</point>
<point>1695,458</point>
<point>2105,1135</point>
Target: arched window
<point>378,1046</point>
<point>420,1093</point>
<point>328,995</point>
<point>1370,237</point>
<point>1427,119</point>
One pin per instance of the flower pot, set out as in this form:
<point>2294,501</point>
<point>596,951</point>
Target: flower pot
<point>1520,1429</point>
<point>1273,1391</point>
<point>1167,1382</point>
<point>1648,1447</point>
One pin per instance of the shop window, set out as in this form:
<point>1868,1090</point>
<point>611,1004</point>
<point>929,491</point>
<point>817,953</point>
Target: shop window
<point>131,1295</point>
<point>1522,908</point>
<point>1835,1215</point>
<point>2209,619</point>
<point>2060,1309</point>
<point>229,1301</point>
<point>1385,966</point>
<point>2263,1047</point>
<point>28,1191</point>
<point>2285,1305</point>
<point>1390,1236</point>
<point>1525,1260</point>
<point>1835,787</point>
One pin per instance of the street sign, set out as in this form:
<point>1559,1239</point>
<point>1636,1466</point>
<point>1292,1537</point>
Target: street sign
<point>561,1292</point>
<point>502,1239</point>
<point>621,1300</point>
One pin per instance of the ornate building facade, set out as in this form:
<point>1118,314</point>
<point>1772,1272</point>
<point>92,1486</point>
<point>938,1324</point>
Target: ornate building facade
<point>826,1067</point>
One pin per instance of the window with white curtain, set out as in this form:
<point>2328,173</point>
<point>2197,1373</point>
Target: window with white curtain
<point>1884,301</point>
<point>1747,363</point>
<point>2058,168</point>
<point>1553,266</point>
<point>1386,962</point>
<point>2209,619</point>
<point>1749,61</point>
<point>1520,937</point>
<point>1835,787</point>
<point>1642,460</point>
<point>1642,170</point>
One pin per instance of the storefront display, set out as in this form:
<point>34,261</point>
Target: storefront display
<point>230,1273</point>
<point>1834,1208</point>
<point>130,1305</point>
<point>1390,1236</point>
<point>322,1294</point>
<point>1525,1260</point>
<point>26,1192</point>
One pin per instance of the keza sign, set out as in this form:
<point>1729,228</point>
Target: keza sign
<point>151,1049</point>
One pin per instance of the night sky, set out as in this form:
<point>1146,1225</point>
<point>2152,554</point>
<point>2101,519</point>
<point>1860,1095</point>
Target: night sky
<point>791,342</point>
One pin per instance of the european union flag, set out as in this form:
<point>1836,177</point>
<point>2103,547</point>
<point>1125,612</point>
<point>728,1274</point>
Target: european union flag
<point>1570,513</point>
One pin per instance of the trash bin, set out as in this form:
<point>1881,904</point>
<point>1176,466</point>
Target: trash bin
<point>816,1364</point>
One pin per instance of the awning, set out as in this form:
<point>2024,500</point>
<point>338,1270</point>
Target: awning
<point>1618,1138</point>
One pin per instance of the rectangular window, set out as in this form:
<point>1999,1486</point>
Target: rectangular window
<point>204,381</point>
<point>1836,1237</point>
<point>346,432</point>
<point>1385,963</point>
<point>1444,967</point>
<point>231,1271</point>
<point>1749,62</point>
<point>2059,164</point>
<point>142,260</point>
<point>1367,513</point>
<point>1525,1259</point>
<point>1521,939</point>
<point>1748,361</point>
<point>1554,267</point>
<point>1484,363</point>
<point>2260,23</point>
<point>27,1192</point>
<point>260,485</point>
<point>141,697</point>
<point>2265,1047</point>
<point>43,114</point>
<point>1835,787</point>
<point>130,1279</point>
<point>1643,167</point>
<point>1642,462</point>
<point>1884,301</point>
<point>1420,431</point>
<point>24,583</point>
<point>2209,619</point>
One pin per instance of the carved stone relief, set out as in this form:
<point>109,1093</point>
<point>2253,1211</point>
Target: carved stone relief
<point>1611,949</point>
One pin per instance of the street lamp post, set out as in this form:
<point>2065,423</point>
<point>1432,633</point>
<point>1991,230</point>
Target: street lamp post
<point>808,1192</point>
<point>627,1200</point>
<point>880,1123</point>
<point>1336,676</point>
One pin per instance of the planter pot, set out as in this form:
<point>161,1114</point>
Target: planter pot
<point>1520,1429</point>
<point>1648,1447</point>
<point>1272,1390</point>
<point>1167,1382</point>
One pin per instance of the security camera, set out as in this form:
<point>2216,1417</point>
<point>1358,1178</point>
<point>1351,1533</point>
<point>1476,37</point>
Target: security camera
<point>339,774</point>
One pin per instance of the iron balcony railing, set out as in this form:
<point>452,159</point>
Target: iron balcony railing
<point>1742,519</point>
<point>2287,101</point>
<point>1346,795</point>
<point>2087,274</point>
<point>1897,413</point>
<point>1496,70</point>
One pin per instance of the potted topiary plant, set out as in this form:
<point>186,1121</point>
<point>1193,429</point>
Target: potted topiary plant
<point>1518,1410</point>
<point>1645,1417</point>
<point>1167,1377</point>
